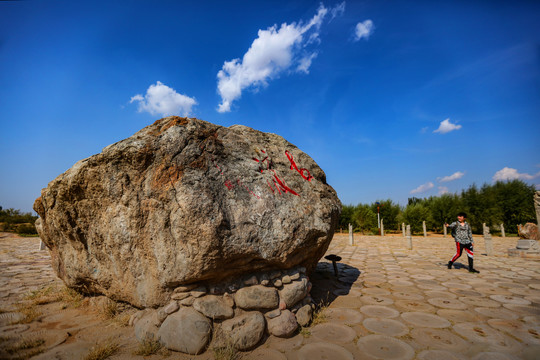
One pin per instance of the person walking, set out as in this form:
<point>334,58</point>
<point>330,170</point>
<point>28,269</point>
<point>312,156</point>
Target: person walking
<point>462,234</point>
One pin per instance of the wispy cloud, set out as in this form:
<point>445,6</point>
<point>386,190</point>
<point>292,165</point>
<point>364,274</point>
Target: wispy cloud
<point>507,173</point>
<point>274,51</point>
<point>423,188</point>
<point>443,190</point>
<point>446,126</point>
<point>337,10</point>
<point>455,176</point>
<point>163,100</point>
<point>305,63</point>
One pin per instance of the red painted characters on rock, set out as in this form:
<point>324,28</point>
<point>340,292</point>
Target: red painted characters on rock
<point>303,172</point>
<point>265,163</point>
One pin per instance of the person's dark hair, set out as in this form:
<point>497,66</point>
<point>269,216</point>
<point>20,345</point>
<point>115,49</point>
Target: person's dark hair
<point>462,214</point>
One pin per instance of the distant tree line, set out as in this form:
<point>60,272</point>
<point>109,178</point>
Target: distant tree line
<point>15,220</point>
<point>510,203</point>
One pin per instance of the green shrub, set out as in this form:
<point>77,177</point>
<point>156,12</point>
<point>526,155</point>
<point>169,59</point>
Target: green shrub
<point>26,229</point>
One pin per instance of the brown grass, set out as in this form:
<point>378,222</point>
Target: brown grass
<point>227,352</point>
<point>52,293</point>
<point>148,347</point>
<point>319,316</point>
<point>110,309</point>
<point>102,351</point>
<point>224,349</point>
<point>30,312</point>
<point>305,332</point>
<point>25,349</point>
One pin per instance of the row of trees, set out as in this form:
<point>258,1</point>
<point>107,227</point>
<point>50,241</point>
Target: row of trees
<point>510,203</point>
<point>15,220</point>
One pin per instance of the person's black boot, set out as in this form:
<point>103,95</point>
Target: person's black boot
<point>471,267</point>
<point>450,264</point>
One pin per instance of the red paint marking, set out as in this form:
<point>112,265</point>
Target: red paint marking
<point>267,160</point>
<point>271,188</point>
<point>300,171</point>
<point>280,184</point>
<point>229,184</point>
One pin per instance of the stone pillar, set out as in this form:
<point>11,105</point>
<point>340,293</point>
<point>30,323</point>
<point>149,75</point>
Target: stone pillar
<point>537,206</point>
<point>351,235</point>
<point>41,245</point>
<point>484,228</point>
<point>444,230</point>
<point>502,231</point>
<point>409,237</point>
<point>487,241</point>
<point>403,229</point>
<point>424,228</point>
<point>382,227</point>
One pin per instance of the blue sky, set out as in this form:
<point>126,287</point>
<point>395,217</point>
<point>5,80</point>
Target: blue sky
<point>392,99</point>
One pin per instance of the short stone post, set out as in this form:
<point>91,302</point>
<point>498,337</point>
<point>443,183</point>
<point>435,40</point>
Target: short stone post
<point>424,228</point>
<point>351,235</point>
<point>403,229</point>
<point>41,245</point>
<point>487,241</point>
<point>444,230</point>
<point>409,237</point>
<point>483,228</point>
<point>503,234</point>
<point>382,228</point>
<point>536,200</point>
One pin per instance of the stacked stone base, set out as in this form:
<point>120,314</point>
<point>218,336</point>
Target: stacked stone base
<point>526,248</point>
<point>238,312</point>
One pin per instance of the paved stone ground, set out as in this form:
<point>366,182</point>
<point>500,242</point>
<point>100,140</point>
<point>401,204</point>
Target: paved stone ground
<point>387,303</point>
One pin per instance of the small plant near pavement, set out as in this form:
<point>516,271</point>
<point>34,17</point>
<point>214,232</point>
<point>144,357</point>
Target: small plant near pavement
<point>319,316</point>
<point>102,351</point>
<point>148,347</point>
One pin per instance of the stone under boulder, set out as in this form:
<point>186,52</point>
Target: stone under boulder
<point>241,324</point>
<point>187,331</point>
<point>244,331</point>
<point>184,201</point>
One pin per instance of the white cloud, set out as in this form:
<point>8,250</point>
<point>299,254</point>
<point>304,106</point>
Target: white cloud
<point>363,30</point>
<point>337,10</point>
<point>443,190</point>
<point>507,173</point>
<point>274,51</point>
<point>163,100</point>
<point>423,188</point>
<point>446,126</point>
<point>305,63</point>
<point>454,176</point>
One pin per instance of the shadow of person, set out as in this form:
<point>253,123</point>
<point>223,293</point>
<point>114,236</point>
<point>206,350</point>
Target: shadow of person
<point>327,287</point>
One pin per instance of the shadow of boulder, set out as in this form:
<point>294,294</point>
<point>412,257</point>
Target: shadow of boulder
<point>327,286</point>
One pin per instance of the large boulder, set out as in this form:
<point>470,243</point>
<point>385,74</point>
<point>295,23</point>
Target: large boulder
<point>185,201</point>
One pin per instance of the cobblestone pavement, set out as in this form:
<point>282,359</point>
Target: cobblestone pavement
<point>387,302</point>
